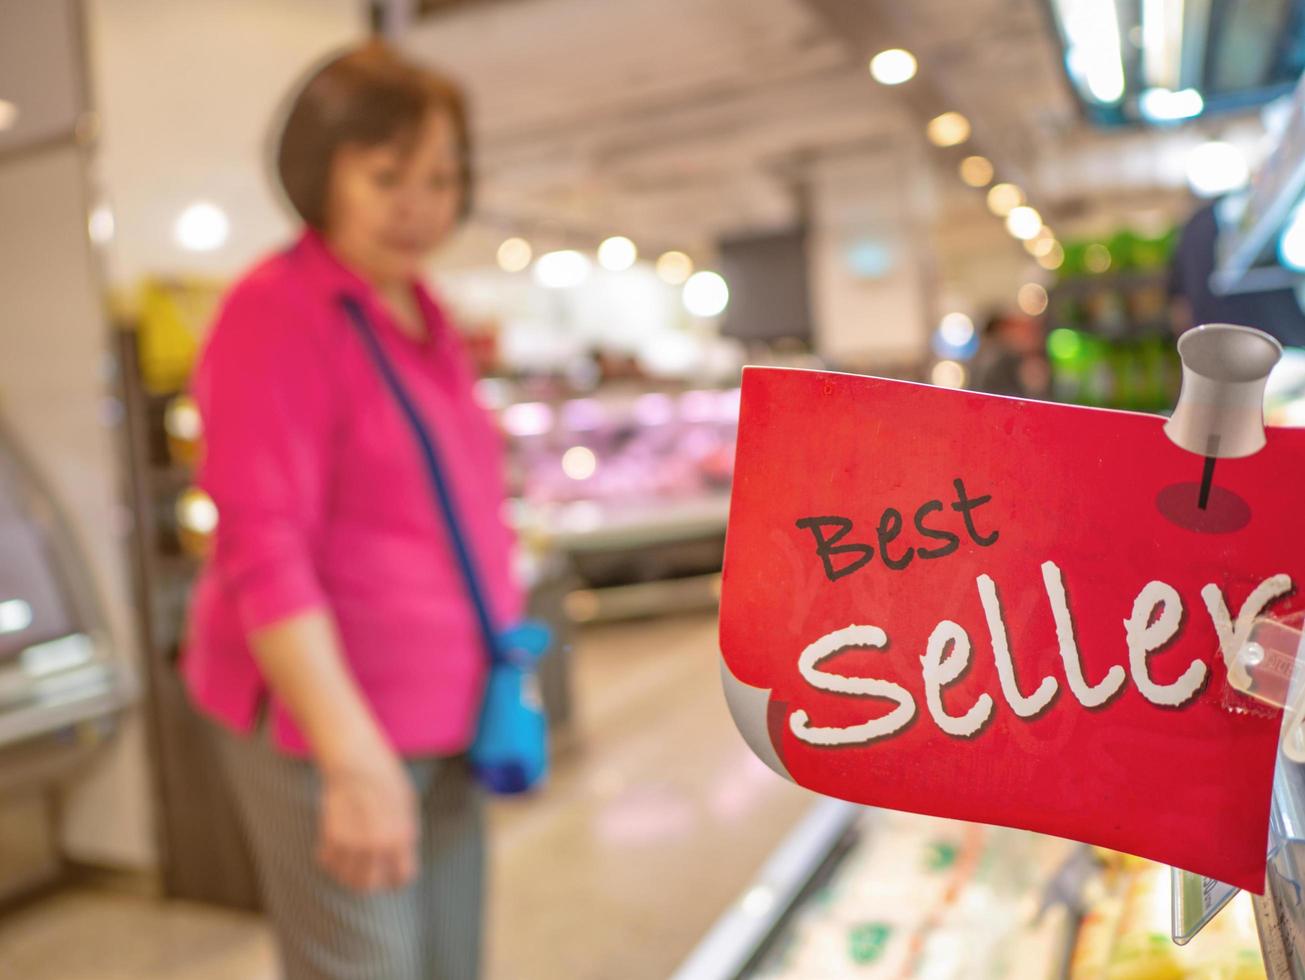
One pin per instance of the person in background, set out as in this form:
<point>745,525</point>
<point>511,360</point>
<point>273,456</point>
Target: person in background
<point>330,641</point>
<point>1011,359</point>
<point>1193,300</point>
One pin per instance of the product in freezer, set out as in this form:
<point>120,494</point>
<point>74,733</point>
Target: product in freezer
<point>1126,936</point>
<point>930,898</point>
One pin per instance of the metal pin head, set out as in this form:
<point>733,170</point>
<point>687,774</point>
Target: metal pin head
<point>1220,410</point>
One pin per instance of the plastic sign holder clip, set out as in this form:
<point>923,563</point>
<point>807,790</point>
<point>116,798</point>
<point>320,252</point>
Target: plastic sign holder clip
<point>1263,666</point>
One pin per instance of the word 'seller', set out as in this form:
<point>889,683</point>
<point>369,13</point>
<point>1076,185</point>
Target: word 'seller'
<point>1157,618</point>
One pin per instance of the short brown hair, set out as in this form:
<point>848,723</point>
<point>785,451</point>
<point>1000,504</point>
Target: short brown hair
<point>368,95</point>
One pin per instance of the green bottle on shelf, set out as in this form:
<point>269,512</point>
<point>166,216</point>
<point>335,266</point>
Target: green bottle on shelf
<point>1067,350</point>
<point>1125,251</point>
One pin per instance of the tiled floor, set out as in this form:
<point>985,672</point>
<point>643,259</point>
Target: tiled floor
<point>653,822</point>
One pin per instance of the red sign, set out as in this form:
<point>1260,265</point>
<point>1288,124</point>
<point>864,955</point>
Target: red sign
<point>1008,612</point>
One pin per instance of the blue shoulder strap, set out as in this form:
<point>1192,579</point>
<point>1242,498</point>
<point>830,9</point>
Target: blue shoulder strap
<point>435,474</point>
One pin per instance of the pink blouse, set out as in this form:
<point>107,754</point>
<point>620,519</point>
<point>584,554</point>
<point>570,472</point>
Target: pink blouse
<point>323,503</point>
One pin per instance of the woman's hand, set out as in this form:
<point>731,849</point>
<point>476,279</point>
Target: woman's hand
<point>367,834</point>
<point>367,824</point>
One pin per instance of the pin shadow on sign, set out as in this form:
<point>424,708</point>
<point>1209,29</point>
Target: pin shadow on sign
<point>1009,612</point>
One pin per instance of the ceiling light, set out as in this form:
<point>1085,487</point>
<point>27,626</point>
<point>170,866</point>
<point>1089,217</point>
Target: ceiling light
<point>562,269</point>
<point>1161,40</point>
<point>674,267</point>
<point>1042,244</point>
<point>514,255</point>
<point>948,374</point>
<point>976,171</point>
<point>893,67</point>
<point>616,254</point>
<point>100,224</point>
<point>956,329</point>
<point>1032,298</point>
<point>1216,168</point>
<point>955,339</point>
<point>706,294</point>
<point>948,129</point>
<point>1002,198</point>
<point>201,227</point>
<point>1054,258</point>
<point>669,354</point>
<point>1023,222</point>
<point>1093,47</point>
<point>1162,105</point>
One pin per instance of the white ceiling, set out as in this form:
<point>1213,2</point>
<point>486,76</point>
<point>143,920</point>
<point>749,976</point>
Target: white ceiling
<point>673,118</point>
<point>679,121</point>
<point>676,122</point>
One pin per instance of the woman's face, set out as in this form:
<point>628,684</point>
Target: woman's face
<point>389,205</point>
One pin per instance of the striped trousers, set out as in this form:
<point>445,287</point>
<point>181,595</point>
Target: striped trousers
<point>429,930</point>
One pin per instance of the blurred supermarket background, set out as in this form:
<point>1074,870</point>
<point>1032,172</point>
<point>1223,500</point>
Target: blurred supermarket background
<point>1017,196</point>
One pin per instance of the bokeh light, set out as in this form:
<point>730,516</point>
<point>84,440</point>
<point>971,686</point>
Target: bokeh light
<point>893,67</point>
<point>514,255</point>
<point>976,171</point>
<point>618,253</point>
<point>1004,198</point>
<point>674,267</point>
<point>948,129</point>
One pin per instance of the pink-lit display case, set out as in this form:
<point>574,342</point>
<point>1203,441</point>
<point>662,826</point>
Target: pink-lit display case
<point>626,466</point>
<point>627,486</point>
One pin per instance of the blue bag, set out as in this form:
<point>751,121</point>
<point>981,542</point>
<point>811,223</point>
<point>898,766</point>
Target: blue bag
<point>509,753</point>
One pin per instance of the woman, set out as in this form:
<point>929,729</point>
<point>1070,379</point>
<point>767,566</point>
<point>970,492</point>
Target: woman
<point>331,640</point>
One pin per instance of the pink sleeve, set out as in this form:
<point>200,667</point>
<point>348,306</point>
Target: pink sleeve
<point>263,389</point>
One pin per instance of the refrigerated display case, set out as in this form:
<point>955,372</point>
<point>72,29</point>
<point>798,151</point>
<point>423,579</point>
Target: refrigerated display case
<point>916,896</point>
<point>621,455</point>
<point>62,689</point>
<point>631,486</point>
<point>859,892</point>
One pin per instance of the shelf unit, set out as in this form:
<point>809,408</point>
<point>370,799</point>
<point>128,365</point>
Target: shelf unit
<point>203,856</point>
